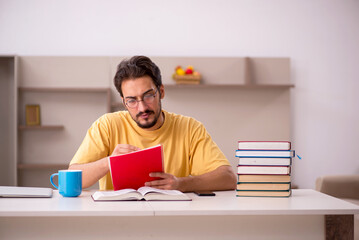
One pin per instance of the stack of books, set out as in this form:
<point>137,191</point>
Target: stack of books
<point>264,168</point>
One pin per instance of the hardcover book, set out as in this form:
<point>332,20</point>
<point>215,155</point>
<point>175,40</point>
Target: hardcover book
<point>264,145</point>
<point>264,193</point>
<point>132,170</point>
<point>264,178</point>
<point>265,153</point>
<point>143,193</point>
<point>264,186</point>
<point>284,170</point>
<point>265,161</point>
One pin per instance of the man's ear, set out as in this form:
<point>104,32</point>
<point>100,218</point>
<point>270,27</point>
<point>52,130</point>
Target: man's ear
<point>162,91</point>
<point>123,102</point>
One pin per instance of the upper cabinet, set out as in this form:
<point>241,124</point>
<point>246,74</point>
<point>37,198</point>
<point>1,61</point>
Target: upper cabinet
<point>64,71</point>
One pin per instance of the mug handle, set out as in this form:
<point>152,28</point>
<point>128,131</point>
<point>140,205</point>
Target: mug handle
<point>53,184</point>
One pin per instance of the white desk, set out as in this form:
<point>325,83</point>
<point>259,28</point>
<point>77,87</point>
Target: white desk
<point>222,217</point>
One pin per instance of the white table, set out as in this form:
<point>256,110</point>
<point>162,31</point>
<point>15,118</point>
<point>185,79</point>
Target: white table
<point>222,217</point>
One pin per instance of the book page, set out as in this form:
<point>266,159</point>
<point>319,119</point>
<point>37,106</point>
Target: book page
<point>118,192</point>
<point>116,195</point>
<point>145,190</point>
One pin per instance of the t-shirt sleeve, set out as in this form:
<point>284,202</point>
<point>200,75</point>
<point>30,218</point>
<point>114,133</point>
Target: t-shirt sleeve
<point>95,145</point>
<point>205,155</point>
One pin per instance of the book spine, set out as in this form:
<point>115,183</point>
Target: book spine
<point>264,191</point>
<point>249,186</point>
<point>264,161</point>
<point>265,153</point>
<point>255,193</point>
<point>264,170</point>
<point>264,145</point>
<point>239,182</point>
<point>256,178</point>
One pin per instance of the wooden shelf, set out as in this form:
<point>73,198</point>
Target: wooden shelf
<point>64,89</point>
<point>42,127</point>
<point>23,166</point>
<point>107,91</point>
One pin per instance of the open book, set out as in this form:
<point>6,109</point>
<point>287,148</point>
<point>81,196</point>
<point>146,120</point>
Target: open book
<point>143,193</point>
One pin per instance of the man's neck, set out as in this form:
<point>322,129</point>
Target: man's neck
<point>161,121</point>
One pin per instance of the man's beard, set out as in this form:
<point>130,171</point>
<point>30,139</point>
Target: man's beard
<point>148,124</point>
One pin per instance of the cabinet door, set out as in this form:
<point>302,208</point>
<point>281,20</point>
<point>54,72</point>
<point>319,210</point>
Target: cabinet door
<point>64,71</point>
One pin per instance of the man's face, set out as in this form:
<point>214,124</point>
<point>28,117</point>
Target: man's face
<point>146,113</point>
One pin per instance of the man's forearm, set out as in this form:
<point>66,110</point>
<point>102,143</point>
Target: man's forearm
<point>222,178</point>
<point>91,172</point>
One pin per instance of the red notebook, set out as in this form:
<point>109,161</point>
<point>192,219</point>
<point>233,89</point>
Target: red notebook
<point>132,170</point>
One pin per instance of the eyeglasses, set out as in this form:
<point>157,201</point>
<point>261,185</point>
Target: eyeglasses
<point>147,98</point>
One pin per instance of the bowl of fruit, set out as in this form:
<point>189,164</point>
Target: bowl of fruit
<point>186,76</point>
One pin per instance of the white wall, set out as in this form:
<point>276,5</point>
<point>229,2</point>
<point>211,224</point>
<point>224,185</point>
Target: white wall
<point>321,37</point>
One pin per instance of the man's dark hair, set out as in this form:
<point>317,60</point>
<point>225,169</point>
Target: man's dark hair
<point>136,67</point>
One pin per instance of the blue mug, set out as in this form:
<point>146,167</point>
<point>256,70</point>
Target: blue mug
<point>70,182</point>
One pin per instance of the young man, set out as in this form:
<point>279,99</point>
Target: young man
<point>192,160</point>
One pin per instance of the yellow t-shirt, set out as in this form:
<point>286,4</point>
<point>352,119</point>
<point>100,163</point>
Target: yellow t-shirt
<point>188,148</point>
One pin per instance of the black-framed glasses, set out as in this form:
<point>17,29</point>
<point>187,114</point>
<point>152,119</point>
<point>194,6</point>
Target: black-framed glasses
<point>147,98</point>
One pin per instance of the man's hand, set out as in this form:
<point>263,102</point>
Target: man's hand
<point>168,181</point>
<point>222,178</point>
<point>94,171</point>
<point>123,149</point>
